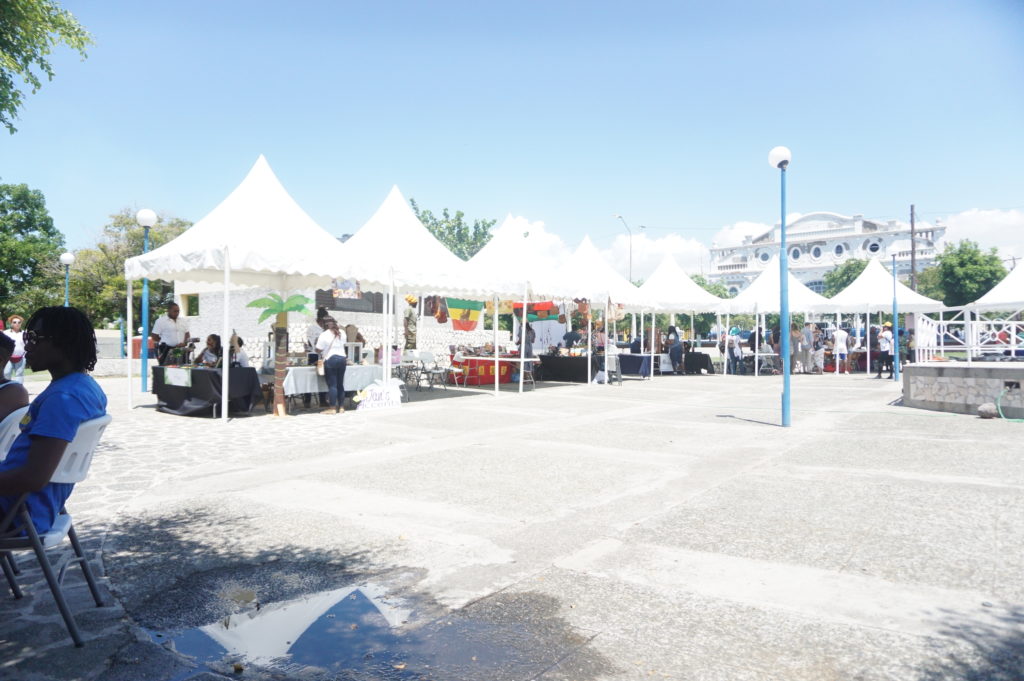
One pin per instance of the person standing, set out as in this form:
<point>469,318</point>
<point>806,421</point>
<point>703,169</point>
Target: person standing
<point>169,332</point>
<point>818,350</point>
<point>840,350</point>
<point>410,321</point>
<point>60,340</point>
<point>331,346</point>
<point>885,349</point>
<point>734,350</point>
<point>12,394</point>
<point>15,369</point>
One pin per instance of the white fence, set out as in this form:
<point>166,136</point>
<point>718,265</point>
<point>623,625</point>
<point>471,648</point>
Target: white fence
<point>963,334</point>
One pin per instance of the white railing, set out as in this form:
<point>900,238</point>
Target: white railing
<point>963,334</point>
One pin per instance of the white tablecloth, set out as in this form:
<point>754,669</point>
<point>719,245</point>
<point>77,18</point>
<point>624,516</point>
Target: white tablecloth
<point>300,380</point>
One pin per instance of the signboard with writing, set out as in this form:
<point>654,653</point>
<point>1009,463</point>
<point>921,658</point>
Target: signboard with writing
<point>380,395</point>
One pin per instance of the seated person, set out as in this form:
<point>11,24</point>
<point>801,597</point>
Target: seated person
<point>635,347</point>
<point>211,355</point>
<point>239,356</point>
<point>13,395</point>
<point>675,353</point>
<point>572,337</point>
<point>59,340</point>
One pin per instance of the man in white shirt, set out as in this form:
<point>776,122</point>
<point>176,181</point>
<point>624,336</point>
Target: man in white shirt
<point>885,349</point>
<point>169,331</point>
<point>841,350</point>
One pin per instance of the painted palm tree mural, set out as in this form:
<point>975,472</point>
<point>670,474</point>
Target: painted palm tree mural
<point>273,305</point>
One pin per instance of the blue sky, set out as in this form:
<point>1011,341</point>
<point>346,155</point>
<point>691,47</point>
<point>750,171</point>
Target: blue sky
<point>563,112</point>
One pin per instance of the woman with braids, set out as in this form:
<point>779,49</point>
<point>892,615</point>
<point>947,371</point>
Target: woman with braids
<point>59,340</point>
<point>331,346</point>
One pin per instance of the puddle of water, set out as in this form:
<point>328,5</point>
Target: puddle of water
<point>358,631</point>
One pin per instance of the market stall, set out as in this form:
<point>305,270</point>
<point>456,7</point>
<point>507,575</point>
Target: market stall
<point>190,391</point>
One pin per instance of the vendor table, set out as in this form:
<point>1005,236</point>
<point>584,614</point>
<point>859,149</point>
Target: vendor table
<point>480,370</point>
<point>693,362</point>
<point>636,365</point>
<point>570,369</point>
<point>301,380</point>
<point>196,390</point>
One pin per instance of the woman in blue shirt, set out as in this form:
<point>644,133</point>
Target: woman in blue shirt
<point>59,340</point>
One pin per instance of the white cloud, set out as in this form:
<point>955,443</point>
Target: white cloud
<point>649,251</point>
<point>1003,229</point>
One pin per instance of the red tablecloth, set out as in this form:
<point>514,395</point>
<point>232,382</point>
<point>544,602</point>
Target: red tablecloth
<point>481,371</point>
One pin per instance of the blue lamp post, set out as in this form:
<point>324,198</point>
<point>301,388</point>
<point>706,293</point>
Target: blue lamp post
<point>779,157</point>
<point>67,259</point>
<point>146,219</point>
<point>895,328</point>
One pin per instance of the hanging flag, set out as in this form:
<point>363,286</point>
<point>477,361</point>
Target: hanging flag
<point>537,312</point>
<point>464,313</point>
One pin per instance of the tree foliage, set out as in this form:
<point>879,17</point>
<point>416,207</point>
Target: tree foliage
<point>29,30</point>
<point>843,276</point>
<point>929,284</point>
<point>966,272</point>
<point>454,232</point>
<point>703,322</point>
<point>30,247</point>
<point>97,277</point>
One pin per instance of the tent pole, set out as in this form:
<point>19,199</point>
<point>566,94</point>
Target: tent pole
<point>225,340</point>
<point>867,341</point>
<point>835,355</point>
<point>757,340</point>
<point>693,331</point>
<point>653,337</point>
<point>131,336</point>
<point>522,338</point>
<point>608,339</point>
<point>726,337</point>
<point>590,351</point>
<point>497,364</point>
<point>632,326</point>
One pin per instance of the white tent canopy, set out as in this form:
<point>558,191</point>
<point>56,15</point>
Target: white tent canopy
<point>763,295</point>
<point>394,247</point>
<point>1006,295</point>
<point>872,291</point>
<point>588,275</point>
<point>521,255</point>
<point>272,242</point>
<point>670,288</point>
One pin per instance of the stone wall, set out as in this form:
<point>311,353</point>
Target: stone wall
<point>959,388</point>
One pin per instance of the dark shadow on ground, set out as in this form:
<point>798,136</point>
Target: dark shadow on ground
<point>740,418</point>
<point>992,651</point>
<point>179,572</point>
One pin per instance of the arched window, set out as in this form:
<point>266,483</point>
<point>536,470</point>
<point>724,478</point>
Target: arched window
<point>816,286</point>
<point>816,252</point>
<point>795,254</point>
<point>839,250</point>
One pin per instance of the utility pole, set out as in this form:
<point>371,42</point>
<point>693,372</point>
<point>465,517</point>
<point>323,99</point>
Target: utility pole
<point>913,251</point>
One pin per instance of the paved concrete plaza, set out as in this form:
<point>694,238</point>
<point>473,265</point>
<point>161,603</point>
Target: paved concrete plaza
<point>663,529</point>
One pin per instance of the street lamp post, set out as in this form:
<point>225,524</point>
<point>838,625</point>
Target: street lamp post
<point>779,157</point>
<point>146,219</point>
<point>67,259</point>
<point>630,244</point>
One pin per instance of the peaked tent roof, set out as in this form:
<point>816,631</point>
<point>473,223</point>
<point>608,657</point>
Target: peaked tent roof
<point>394,244</point>
<point>763,295</point>
<point>522,254</point>
<point>271,241</point>
<point>588,275</point>
<point>873,290</point>
<point>672,289</point>
<point>1006,295</point>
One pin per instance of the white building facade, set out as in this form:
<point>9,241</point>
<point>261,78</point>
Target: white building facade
<point>817,243</point>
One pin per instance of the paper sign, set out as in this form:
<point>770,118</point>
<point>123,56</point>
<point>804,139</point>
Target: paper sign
<point>177,376</point>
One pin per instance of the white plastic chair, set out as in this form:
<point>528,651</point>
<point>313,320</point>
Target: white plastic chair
<point>10,428</point>
<point>18,533</point>
<point>431,371</point>
<point>458,372</point>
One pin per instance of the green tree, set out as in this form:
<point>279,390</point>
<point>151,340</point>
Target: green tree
<point>97,277</point>
<point>966,272</point>
<point>30,272</point>
<point>843,276</point>
<point>454,232</point>
<point>29,30</point>
<point>929,284</point>
<point>703,322</point>
<point>273,305</point>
